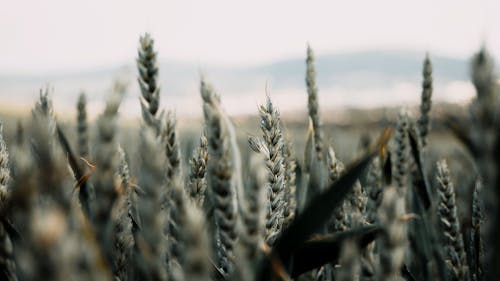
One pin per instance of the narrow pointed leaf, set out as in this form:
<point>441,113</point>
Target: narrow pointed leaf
<point>11,229</point>
<point>83,193</point>
<point>387,169</point>
<point>405,272</point>
<point>317,252</point>
<point>72,160</point>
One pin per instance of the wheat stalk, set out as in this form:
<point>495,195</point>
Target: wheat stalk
<point>349,262</point>
<point>123,237</point>
<point>150,240</point>
<point>196,265</point>
<point>477,244</point>
<point>392,245</point>
<point>176,254</point>
<point>106,161</point>
<point>220,172</point>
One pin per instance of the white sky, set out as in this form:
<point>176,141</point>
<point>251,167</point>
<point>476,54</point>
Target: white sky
<point>57,35</point>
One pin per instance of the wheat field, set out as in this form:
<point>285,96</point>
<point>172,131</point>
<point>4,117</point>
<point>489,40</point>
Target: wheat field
<point>412,196</point>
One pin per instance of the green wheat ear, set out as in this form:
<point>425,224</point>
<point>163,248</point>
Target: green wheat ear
<point>273,151</point>
<point>375,190</point>
<point>401,150</point>
<point>123,237</point>
<point>7,263</point>
<point>177,223</point>
<point>82,126</point>
<point>220,173</point>
<point>290,181</point>
<point>339,222</point>
<point>106,157</point>
<point>254,216</point>
<point>394,242</point>
<point>197,265</point>
<point>169,138</point>
<point>4,172</point>
<point>148,84</point>
<point>448,218</point>
<point>476,241</point>
<point>483,75</point>
<point>312,102</point>
<point>197,183</point>
<point>424,121</point>
<point>152,219</point>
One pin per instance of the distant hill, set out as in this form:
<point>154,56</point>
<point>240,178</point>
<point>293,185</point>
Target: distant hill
<point>360,69</point>
<point>344,77</point>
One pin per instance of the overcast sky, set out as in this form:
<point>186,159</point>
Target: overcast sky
<point>64,35</point>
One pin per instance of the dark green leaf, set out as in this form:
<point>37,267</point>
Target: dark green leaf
<point>83,193</point>
<point>11,229</point>
<point>420,240</point>
<point>319,251</point>
<point>405,272</point>
<point>318,211</point>
<point>322,206</point>
<point>315,178</point>
<point>73,163</point>
<point>387,168</point>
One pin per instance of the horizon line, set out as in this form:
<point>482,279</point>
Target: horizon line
<point>122,64</point>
